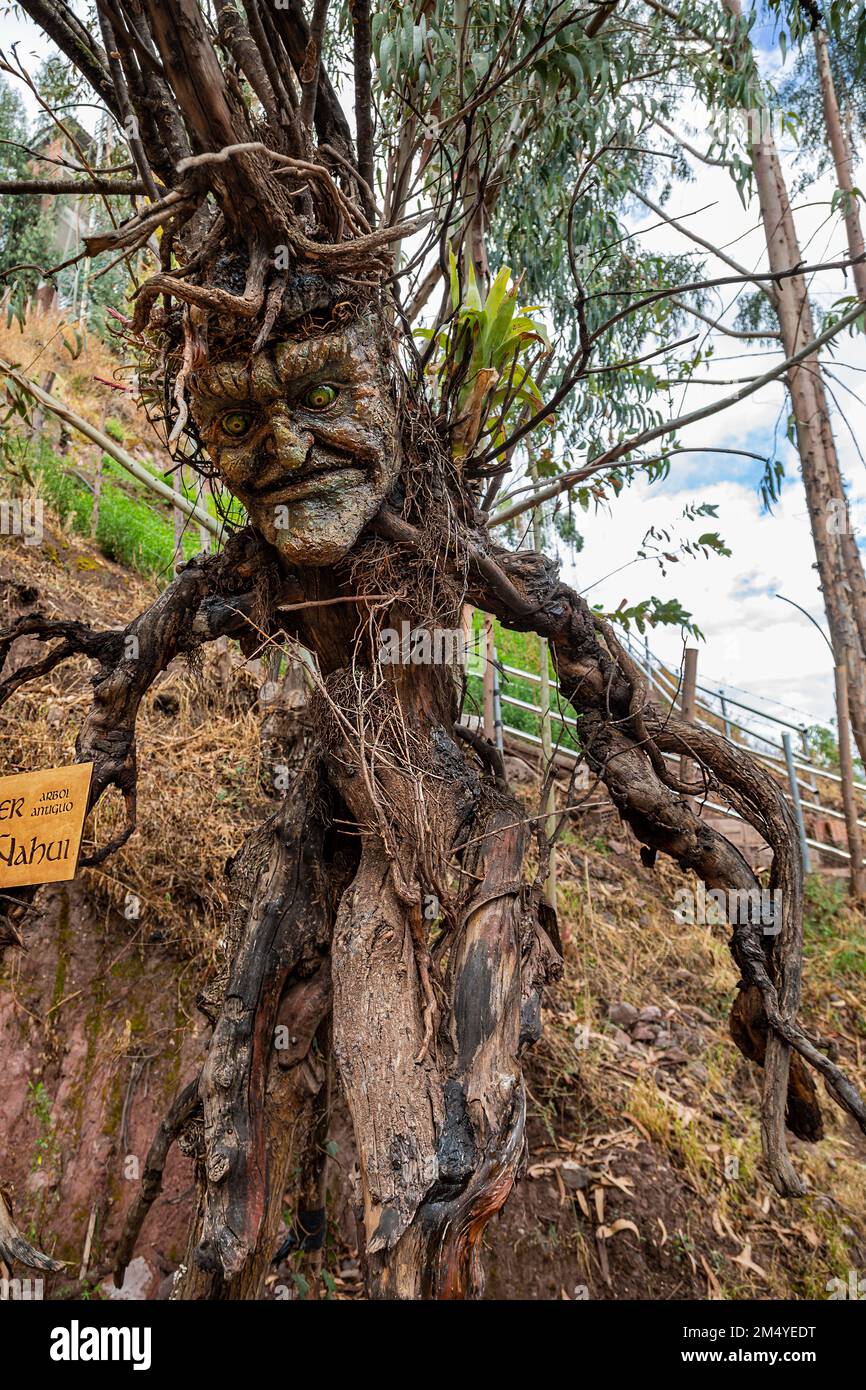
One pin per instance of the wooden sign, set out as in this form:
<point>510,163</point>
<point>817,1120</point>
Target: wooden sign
<point>41,819</point>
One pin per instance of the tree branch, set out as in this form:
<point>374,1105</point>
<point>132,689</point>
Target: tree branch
<point>122,188</point>
<point>309,74</point>
<point>699,241</point>
<point>671,426</point>
<point>65,29</point>
<point>361,61</point>
<point>573,377</point>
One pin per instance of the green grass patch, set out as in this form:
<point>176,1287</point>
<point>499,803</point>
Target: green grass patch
<point>832,932</point>
<point>134,528</point>
<point>520,650</point>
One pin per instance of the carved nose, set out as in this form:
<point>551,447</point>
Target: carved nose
<point>290,446</point>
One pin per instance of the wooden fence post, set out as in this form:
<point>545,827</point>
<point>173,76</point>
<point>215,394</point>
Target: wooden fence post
<point>489,667</point>
<point>846,768</point>
<point>688,701</point>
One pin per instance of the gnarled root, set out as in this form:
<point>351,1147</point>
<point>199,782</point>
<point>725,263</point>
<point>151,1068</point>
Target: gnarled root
<point>623,736</point>
<point>280,932</point>
<point>181,1111</point>
<point>13,1247</point>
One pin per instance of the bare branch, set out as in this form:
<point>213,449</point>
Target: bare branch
<point>704,158</point>
<point>79,188</point>
<point>361,59</point>
<point>65,29</point>
<point>671,426</point>
<point>723,327</point>
<point>309,74</point>
<point>699,241</point>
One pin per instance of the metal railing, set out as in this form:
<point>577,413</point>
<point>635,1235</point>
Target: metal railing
<point>665,683</point>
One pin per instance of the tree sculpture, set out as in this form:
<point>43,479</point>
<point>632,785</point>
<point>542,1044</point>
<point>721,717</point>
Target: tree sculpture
<point>274,338</point>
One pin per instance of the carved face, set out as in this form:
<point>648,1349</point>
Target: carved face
<point>305,436</point>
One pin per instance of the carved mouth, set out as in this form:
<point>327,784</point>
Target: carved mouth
<point>295,488</point>
<point>320,471</point>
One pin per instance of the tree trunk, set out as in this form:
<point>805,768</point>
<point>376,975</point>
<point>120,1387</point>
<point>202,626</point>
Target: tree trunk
<point>840,567</point>
<point>843,161</point>
<point>380,917</point>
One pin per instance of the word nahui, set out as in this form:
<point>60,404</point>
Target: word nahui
<point>15,852</point>
<point>76,1343</point>
<point>738,906</point>
<point>421,646</point>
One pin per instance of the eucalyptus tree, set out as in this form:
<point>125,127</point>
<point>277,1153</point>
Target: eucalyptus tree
<point>382,915</point>
<point>825,93</point>
<point>743,114</point>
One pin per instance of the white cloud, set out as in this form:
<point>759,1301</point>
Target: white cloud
<point>753,639</point>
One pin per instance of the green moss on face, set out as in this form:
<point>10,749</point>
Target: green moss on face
<point>305,436</point>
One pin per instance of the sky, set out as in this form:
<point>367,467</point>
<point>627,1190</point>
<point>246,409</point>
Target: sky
<point>754,641</point>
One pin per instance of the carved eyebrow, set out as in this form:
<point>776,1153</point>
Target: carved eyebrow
<point>228,381</point>
<point>269,375</point>
<point>303,359</point>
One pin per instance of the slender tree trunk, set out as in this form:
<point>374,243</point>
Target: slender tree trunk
<point>843,160</point>
<point>840,567</point>
<point>847,771</point>
<point>843,163</point>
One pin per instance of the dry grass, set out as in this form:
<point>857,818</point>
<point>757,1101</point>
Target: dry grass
<point>198,751</point>
<point>47,343</point>
<point>697,1101</point>
<point>595,1101</point>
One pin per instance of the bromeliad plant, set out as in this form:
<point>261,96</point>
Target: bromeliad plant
<point>480,364</point>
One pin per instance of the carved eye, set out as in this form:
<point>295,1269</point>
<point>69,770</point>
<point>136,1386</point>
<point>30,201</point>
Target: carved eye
<point>236,423</point>
<point>320,397</point>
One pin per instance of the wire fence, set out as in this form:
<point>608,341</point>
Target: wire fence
<point>811,787</point>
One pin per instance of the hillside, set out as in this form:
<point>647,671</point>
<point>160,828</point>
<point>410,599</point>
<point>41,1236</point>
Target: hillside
<point>643,1177</point>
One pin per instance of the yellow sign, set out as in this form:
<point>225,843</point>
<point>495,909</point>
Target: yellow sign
<point>41,819</point>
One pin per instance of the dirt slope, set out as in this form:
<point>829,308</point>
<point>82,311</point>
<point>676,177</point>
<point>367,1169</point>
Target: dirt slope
<point>643,1178</point>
